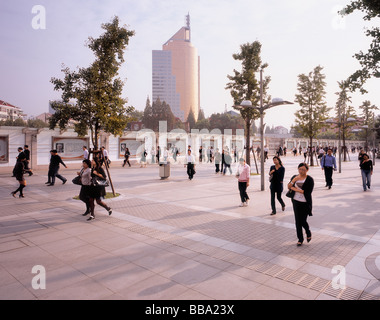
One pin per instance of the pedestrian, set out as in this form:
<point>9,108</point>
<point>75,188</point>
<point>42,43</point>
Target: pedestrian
<point>218,159</point>
<point>243,174</point>
<point>153,154</point>
<point>227,162</point>
<point>276,174</point>
<point>85,190</point>
<point>366,168</point>
<point>85,153</point>
<point>266,152</point>
<point>158,154</point>
<point>97,192</point>
<point>143,159</point>
<point>19,171</point>
<point>223,162</point>
<point>302,186</point>
<point>190,163</point>
<point>127,154</point>
<point>304,151</point>
<point>105,157</point>
<point>360,155</point>
<point>200,154</point>
<point>27,159</point>
<point>328,164</point>
<point>55,161</point>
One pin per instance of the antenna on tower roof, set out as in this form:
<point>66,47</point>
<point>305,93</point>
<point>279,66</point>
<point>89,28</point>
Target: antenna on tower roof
<point>188,20</point>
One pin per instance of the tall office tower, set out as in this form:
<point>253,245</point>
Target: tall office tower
<point>175,74</point>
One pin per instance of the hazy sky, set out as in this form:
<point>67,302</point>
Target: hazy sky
<point>296,36</point>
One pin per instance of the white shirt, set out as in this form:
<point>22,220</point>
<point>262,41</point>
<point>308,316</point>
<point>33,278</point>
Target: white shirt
<point>190,158</point>
<point>105,153</point>
<point>85,154</point>
<point>299,196</point>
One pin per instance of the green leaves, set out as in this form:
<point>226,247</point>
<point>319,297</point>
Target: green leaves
<point>91,96</point>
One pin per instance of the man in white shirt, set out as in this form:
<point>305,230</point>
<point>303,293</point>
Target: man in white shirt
<point>190,163</point>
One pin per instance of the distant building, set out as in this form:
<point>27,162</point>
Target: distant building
<point>175,74</point>
<point>281,130</point>
<point>10,112</point>
<point>44,117</point>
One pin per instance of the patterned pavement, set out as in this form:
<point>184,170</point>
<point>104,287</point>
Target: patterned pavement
<point>180,239</point>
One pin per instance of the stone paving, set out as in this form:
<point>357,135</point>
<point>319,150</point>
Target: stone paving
<point>189,240</point>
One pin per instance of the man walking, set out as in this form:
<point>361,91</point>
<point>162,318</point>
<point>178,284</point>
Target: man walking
<point>190,163</point>
<point>328,164</point>
<point>55,161</point>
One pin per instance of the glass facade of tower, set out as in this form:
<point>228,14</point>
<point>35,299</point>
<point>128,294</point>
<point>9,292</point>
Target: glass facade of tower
<point>175,75</point>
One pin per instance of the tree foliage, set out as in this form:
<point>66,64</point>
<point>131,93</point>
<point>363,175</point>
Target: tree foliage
<point>92,96</point>
<point>244,85</point>
<point>158,111</point>
<point>311,98</point>
<point>369,61</point>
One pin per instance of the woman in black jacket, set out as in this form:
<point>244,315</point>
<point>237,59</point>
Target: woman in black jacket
<point>18,172</point>
<point>303,186</point>
<point>276,173</point>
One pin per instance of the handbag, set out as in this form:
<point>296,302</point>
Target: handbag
<point>270,177</point>
<point>97,182</point>
<point>77,180</point>
<point>290,194</point>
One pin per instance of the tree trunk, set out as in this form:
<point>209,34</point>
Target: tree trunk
<point>311,152</point>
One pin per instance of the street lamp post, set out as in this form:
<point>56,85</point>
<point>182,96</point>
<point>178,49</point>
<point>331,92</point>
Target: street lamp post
<point>261,109</point>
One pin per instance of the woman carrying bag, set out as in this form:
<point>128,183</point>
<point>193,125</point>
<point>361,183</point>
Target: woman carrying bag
<point>97,191</point>
<point>302,186</point>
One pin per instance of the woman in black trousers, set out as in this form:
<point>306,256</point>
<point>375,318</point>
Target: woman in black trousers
<point>97,192</point>
<point>276,172</point>
<point>303,186</point>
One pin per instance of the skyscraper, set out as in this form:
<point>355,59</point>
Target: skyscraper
<point>175,74</point>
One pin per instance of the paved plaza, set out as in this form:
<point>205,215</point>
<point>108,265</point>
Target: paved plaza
<point>177,239</point>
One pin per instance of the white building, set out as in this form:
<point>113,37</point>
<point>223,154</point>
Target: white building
<point>10,112</point>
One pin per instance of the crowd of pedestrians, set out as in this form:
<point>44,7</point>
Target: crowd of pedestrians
<point>300,187</point>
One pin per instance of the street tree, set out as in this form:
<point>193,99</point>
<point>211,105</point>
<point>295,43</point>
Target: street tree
<point>370,60</point>
<point>344,111</point>
<point>244,85</point>
<point>92,96</point>
<point>311,98</point>
<point>368,114</point>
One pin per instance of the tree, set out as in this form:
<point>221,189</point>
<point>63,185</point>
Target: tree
<point>147,118</point>
<point>92,96</point>
<point>201,115</point>
<point>368,114</point>
<point>243,85</point>
<point>369,61</point>
<point>311,98</point>
<point>343,112</point>
<point>191,119</point>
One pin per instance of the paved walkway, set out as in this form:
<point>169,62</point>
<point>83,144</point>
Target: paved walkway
<point>184,240</point>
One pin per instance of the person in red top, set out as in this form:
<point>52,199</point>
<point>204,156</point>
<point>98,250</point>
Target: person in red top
<point>243,175</point>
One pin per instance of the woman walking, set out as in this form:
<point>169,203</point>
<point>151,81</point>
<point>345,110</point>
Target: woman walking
<point>243,175</point>
<point>97,192</point>
<point>366,168</point>
<point>302,186</point>
<point>85,191</point>
<point>18,172</point>
<point>276,174</point>
<point>127,154</point>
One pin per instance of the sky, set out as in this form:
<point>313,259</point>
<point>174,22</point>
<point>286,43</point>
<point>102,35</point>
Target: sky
<point>296,36</point>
